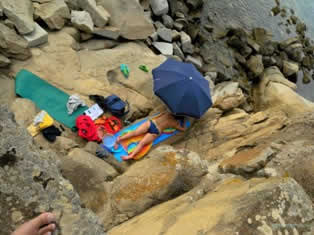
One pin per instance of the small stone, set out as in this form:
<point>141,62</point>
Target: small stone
<point>284,44</point>
<point>164,48</point>
<point>159,7</point>
<point>255,64</point>
<point>37,37</point>
<point>290,68</point>
<point>82,21</point>
<point>178,26</point>
<point>86,36</point>
<point>16,216</point>
<point>197,62</point>
<point>269,61</point>
<point>253,45</point>
<point>165,34</point>
<point>195,4</point>
<point>306,77</point>
<point>175,35</point>
<point>307,62</point>
<point>177,51</point>
<point>4,61</point>
<point>108,32</point>
<point>154,36</point>
<point>249,221</point>
<point>9,23</point>
<point>186,43</point>
<point>168,21</point>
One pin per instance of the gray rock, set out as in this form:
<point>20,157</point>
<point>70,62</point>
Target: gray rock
<point>290,68</point>
<point>98,13</point>
<point>82,21</point>
<point>1,12</point>
<point>165,34</point>
<point>194,4</point>
<point>31,183</point>
<point>4,61</point>
<point>98,44</point>
<point>154,36</point>
<point>54,13</point>
<point>164,48</point>
<point>13,45</point>
<point>148,15</point>
<point>177,51</point>
<point>37,37</point>
<point>86,36</point>
<point>255,64</point>
<point>20,13</point>
<point>9,23</point>
<point>253,44</point>
<point>186,43</point>
<point>197,62</point>
<point>269,61</point>
<point>129,17</point>
<point>167,21</point>
<point>7,91</point>
<point>108,32</point>
<point>73,32</point>
<point>72,4</point>
<point>160,7</point>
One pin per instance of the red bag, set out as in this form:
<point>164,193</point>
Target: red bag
<point>86,128</point>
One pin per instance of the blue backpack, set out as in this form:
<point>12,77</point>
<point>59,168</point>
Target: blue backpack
<point>116,106</point>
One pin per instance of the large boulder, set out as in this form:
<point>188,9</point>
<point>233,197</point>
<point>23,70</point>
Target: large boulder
<point>31,183</point>
<point>86,72</point>
<point>54,13</point>
<point>99,14</point>
<point>88,175</point>
<point>24,111</point>
<point>276,92</point>
<point>128,15</point>
<point>164,174</point>
<point>82,21</point>
<point>256,206</point>
<point>227,95</point>
<point>13,45</point>
<point>20,13</point>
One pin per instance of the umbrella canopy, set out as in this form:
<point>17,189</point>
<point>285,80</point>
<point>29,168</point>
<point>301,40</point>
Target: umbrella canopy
<point>182,88</point>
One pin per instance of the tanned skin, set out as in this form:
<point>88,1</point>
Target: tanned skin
<point>162,121</point>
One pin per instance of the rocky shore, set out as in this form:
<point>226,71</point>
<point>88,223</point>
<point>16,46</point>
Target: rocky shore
<point>244,168</point>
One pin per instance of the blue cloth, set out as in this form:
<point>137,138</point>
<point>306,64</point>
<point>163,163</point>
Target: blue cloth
<point>182,88</point>
<point>153,128</point>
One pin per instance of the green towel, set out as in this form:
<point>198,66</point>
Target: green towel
<point>46,97</point>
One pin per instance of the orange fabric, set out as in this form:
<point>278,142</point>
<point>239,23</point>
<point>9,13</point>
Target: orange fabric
<point>111,124</point>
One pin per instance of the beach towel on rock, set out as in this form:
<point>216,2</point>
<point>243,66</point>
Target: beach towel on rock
<point>46,97</point>
<point>128,145</point>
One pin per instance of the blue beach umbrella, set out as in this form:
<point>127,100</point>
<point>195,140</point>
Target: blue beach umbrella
<point>182,88</point>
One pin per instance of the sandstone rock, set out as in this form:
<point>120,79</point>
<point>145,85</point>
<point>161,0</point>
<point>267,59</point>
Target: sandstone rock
<point>83,21</point>
<point>160,7</point>
<point>164,48</point>
<point>175,35</point>
<point>197,62</point>
<point>260,35</point>
<point>248,161</point>
<point>290,68</point>
<point>12,45</point>
<point>64,145</point>
<point>88,175</point>
<point>154,36</point>
<point>54,13</point>
<point>7,90</point>
<point>177,51</point>
<point>255,64</point>
<point>178,26</point>
<point>253,45</point>
<point>128,16</point>
<point>270,205</point>
<point>161,176</point>
<point>9,23</point>
<point>165,34</point>
<point>186,43</point>
<point>24,111</point>
<point>276,92</point>
<point>167,21</point>
<point>98,44</point>
<point>72,4</point>
<point>295,54</point>
<point>20,13</point>
<point>98,13</point>
<point>37,37</point>
<point>306,77</point>
<point>86,72</point>
<point>86,36</point>
<point>73,32</point>
<point>4,61</point>
<point>108,32</point>
<point>227,95</point>
<point>31,183</point>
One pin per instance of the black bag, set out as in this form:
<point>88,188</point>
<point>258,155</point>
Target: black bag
<point>117,106</point>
